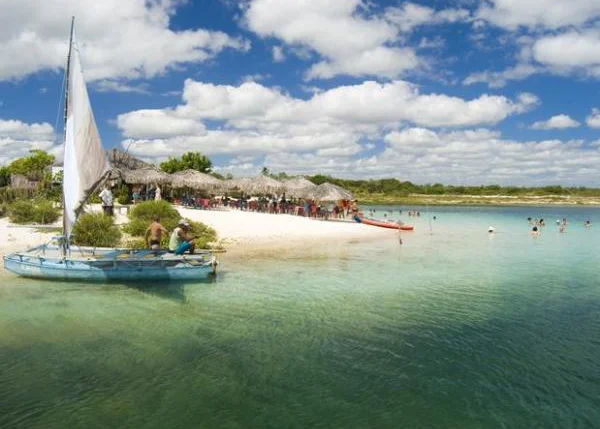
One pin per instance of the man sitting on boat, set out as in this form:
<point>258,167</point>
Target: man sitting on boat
<point>181,240</point>
<point>154,233</point>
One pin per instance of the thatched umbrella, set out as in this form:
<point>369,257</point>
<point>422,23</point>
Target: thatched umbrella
<point>330,192</point>
<point>299,187</point>
<point>145,176</point>
<point>195,180</point>
<point>256,185</point>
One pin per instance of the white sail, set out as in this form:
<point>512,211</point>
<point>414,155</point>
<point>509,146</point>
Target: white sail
<point>85,163</point>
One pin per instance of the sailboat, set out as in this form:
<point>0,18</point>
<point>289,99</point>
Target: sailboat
<point>85,168</point>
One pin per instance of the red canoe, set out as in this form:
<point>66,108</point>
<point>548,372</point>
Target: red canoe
<point>381,224</point>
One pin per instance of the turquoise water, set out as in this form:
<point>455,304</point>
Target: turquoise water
<point>454,328</point>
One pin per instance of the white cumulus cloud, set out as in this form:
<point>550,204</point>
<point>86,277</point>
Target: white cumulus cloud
<point>348,42</point>
<point>593,120</point>
<point>278,54</point>
<point>469,157</point>
<point>559,122</point>
<point>17,138</point>
<point>129,39</point>
<point>570,50</point>
<point>410,15</point>
<point>335,128</point>
<point>550,14</point>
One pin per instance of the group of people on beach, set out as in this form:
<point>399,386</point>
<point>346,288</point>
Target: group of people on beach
<point>181,239</point>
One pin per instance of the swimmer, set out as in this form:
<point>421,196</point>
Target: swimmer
<point>535,231</point>
<point>587,223</point>
<point>491,229</point>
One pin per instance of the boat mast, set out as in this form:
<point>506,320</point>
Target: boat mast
<point>67,71</point>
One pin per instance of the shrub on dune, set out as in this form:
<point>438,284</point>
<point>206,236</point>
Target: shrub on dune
<point>36,211</point>
<point>96,230</point>
<point>141,216</point>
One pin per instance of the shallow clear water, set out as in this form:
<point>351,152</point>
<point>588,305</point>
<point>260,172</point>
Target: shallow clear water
<point>455,328</point>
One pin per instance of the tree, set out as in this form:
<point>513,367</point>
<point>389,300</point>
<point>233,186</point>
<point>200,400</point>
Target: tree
<point>188,161</point>
<point>34,166</point>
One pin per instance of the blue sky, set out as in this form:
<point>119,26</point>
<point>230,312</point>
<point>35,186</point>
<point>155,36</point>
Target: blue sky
<point>461,92</point>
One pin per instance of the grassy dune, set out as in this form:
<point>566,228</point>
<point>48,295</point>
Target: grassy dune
<point>420,199</point>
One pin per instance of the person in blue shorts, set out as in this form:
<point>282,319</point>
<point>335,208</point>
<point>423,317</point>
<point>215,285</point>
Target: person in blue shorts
<point>181,240</point>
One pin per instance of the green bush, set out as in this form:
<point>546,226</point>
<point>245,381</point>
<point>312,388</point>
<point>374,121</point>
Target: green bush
<point>37,211</point>
<point>141,217</point>
<point>122,195</point>
<point>205,234</point>
<point>141,214</point>
<point>94,199</point>
<point>97,230</point>
<point>9,194</point>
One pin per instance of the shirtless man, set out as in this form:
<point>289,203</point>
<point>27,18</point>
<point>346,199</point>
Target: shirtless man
<point>154,233</point>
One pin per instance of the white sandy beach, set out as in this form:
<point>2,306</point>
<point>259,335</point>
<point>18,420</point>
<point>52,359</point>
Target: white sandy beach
<point>248,228</point>
<point>235,229</point>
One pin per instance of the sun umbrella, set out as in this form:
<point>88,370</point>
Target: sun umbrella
<point>195,180</point>
<point>298,187</point>
<point>145,176</point>
<point>330,192</point>
<point>259,185</point>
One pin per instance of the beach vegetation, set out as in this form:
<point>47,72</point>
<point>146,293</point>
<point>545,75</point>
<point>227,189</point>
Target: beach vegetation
<point>32,211</point>
<point>205,235</point>
<point>188,161</point>
<point>4,176</point>
<point>8,194</point>
<point>122,194</point>
<point>96,230</point>
<point>140,216</point>
<point>34,166</point>
<point>392,191</point>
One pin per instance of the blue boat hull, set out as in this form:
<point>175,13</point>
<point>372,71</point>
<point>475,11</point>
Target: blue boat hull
<point>156,269</point>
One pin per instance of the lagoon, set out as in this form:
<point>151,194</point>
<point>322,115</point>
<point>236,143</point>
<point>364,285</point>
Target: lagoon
<point>454,328</point>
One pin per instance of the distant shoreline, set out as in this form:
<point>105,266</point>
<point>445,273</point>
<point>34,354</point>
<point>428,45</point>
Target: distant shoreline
<point>481,200</point>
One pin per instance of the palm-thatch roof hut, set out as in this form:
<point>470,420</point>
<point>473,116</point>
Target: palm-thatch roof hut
<point>195,180</point>
<point>330,192</point>
<point>145,176</point>
<point>259,185</point>
<point>122,160</point>
<point>298,187</point>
